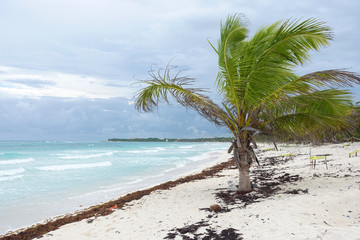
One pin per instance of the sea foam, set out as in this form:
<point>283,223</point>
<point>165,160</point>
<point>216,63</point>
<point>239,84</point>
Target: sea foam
<point>177,166</point>
<point>202,156</point>
<point>16,161</point>
<point>186,147</point>
<point>74,166</point>
<point>10,178</point>
<point>11,172</point>
<point>87,156</point>
<point>151,150</point>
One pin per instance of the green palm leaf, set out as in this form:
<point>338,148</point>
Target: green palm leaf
<point>304,113</point>
<point>232,34</point>
<point>164,85</point>
<point>278,49</point>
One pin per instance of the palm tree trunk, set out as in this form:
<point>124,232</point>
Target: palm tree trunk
<point>244,179</point>
<point>243,162</point>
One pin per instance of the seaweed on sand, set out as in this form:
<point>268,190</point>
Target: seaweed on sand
<point>268,183</point>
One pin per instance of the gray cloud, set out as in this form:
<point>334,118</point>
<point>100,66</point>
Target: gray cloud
<point>32,82</point>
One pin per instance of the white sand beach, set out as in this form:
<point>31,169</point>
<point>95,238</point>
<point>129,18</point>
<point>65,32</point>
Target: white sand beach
<point>291,201</point>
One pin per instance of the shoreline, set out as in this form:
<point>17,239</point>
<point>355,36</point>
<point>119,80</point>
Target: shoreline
<point>20,213</point>
<point>205,169</point>
<point>290,201</point>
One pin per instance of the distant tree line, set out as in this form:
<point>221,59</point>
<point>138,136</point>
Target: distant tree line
<point>214,139</point>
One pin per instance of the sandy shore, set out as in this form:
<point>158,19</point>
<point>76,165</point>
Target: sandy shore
<point>291,201</point>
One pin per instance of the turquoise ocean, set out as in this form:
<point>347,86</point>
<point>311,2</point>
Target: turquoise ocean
<point>41,180</point>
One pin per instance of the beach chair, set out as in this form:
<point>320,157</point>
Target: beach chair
<point>313,159</point>
<point>354,153</point>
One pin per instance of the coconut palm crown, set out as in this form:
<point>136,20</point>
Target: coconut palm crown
<point>260,90</point>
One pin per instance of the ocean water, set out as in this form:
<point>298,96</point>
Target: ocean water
<point>40,180</point>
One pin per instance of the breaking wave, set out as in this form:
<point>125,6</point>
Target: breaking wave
<point>16,161</point>
<point>11,172</point>
<point>74,166</point>
<point>10,178</point>
<point>87,156</point>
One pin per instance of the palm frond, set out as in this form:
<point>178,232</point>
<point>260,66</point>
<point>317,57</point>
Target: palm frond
<point>302,114</point>
<point>291,41</point>
<point>331,78</point>
<point>163,85</point>
<point>309,83</point>
<point>275,50</point>
<point>232,34</point>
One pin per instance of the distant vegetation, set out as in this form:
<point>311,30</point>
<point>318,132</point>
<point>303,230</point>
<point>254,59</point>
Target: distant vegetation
<point>215,139</point>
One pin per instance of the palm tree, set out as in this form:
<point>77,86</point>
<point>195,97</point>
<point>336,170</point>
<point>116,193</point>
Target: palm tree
<point>261,92</point>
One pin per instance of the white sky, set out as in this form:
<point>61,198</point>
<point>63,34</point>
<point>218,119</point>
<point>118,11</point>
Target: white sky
<point>90,53</point>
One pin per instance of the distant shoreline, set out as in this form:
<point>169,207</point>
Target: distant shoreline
<point>214,139</point>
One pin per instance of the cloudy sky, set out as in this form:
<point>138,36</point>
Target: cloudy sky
<point>68,67</point>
